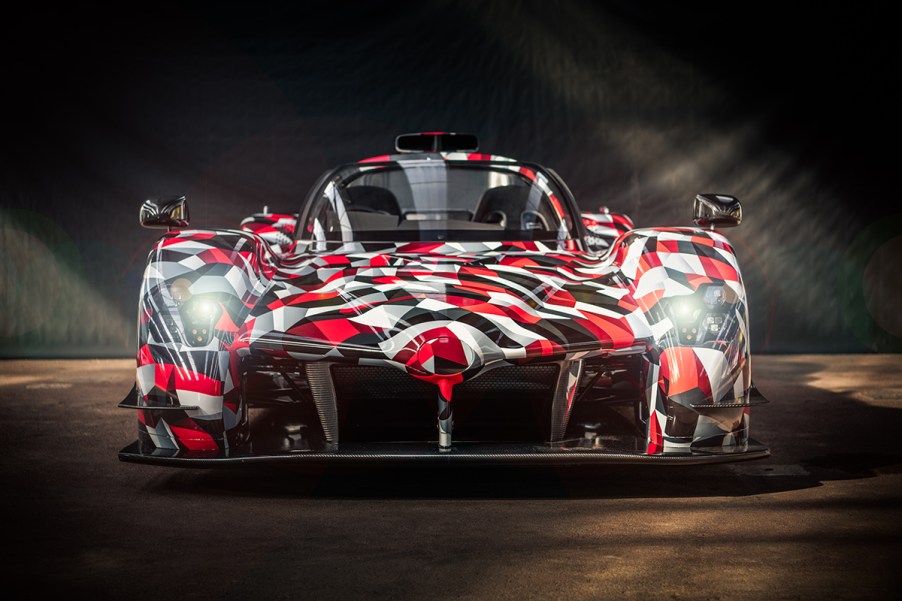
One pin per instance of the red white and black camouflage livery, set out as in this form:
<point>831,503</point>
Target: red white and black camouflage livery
<point>386,322</point>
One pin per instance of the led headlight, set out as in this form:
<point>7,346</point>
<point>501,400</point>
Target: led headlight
<point>703,316</point>
<point>199,313</point>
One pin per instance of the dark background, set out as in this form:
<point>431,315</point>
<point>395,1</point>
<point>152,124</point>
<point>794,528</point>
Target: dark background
<point>637,105</point>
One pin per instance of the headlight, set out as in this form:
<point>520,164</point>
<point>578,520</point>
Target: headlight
<point>707,315</point>
<point>199,316</point>
<point>199,313</point>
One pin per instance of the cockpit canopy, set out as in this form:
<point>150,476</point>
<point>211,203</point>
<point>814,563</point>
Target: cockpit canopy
<point>435,197</point>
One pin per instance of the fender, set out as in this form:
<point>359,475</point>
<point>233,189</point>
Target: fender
<point>198,291</point>
<point>688,284</point>
<point>277,229</point>
<point>604,227</point>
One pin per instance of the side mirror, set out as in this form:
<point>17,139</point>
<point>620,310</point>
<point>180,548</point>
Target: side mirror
<point>717,210</point>
<point>167,211</point>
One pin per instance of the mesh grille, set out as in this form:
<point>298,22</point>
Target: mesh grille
<point>506,403</point>
<point>385,383</point>
<point>378,383</point>
<point>513,378</point>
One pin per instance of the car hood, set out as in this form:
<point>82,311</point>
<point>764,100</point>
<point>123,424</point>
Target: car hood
<point>476,308</point>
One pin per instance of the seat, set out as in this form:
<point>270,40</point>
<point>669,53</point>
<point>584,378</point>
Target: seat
<point>509,207</point>
<point>372,199</point>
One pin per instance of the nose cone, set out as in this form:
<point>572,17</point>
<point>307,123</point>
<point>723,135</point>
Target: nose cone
<point>445,355</point>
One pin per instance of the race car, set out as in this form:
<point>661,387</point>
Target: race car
<point>442,305</point>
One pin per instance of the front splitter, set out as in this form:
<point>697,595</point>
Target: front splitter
<point>428,453</point>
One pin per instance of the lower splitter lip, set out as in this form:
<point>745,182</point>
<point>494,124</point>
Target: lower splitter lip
<point>428,453</point>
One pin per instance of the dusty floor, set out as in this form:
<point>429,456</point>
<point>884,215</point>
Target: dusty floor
<point>820,519</point>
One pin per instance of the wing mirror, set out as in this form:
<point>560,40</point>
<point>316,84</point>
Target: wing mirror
<point>167,211</point>
<point>718,210</point>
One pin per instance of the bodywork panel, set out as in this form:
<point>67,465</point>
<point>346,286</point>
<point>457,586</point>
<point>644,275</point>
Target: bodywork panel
<point>654,330</point>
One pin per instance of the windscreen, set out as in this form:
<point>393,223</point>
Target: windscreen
<point>438,200</point>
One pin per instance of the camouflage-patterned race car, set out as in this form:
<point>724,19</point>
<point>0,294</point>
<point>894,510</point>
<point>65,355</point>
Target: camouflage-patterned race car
<point>442,305</point>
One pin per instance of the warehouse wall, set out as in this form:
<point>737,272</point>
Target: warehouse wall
<point>637,106</point>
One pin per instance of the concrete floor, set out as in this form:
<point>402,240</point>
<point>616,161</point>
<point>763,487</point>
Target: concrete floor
<point>820,519</point>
